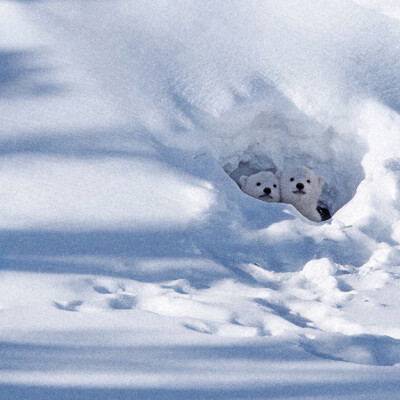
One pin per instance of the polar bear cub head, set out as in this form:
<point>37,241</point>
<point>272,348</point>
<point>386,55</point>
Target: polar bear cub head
<point>263,185</point>
<point>302,188</point>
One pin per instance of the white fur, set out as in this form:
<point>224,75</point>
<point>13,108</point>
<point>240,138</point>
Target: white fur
<point>305,199</point>
<point>264,186</point>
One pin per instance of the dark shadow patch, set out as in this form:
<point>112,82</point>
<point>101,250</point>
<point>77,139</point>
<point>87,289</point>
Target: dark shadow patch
<point>101,290</point>
<point>69,306</point>
<point>343,286</point>
<point>188,110</point>
<point>285,313</point>
<point>122,302</point>
<point>305,378</point>
<point>21,75</point>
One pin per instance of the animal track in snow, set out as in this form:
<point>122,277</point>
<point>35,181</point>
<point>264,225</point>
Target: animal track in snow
<point>95,296</point>
<point>122,302</point>
<point>68,305</point>
<point>117,298</point>
<point>223,328</point>
<point>200,326</point>
<point>101,290</point>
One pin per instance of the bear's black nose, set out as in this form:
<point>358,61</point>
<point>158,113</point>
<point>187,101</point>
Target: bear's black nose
<point>267,191</point>
<point>300,186</point>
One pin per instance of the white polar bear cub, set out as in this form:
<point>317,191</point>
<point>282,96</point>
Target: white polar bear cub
<point>302,188</point>
<point>263,185</point>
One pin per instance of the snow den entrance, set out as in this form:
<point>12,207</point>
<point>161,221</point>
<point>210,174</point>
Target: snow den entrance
<point>273,134</point>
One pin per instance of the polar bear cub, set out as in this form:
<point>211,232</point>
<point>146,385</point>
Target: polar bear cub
<point>263,185</point>
<point>302,188</point>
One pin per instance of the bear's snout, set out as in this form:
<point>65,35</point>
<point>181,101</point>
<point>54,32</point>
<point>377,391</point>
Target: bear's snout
<point>300,186</point>
<point>267,190</point>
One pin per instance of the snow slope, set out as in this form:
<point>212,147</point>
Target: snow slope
<point>132,266</point>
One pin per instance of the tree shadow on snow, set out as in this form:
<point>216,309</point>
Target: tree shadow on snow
<point>195,252</point>
<point>368,390</point>
<point>22,75</point>
<point>146,256</point>
<point>194,372</point>
<point>200,253</point>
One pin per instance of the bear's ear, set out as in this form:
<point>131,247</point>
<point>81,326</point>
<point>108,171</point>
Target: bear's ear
<point>321,181</point>
<point>243,180</point>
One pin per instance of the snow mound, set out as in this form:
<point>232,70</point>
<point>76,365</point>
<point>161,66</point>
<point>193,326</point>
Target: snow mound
<point>319,270</point>
<point>364,349</point>
<point>130,257</point>
<point>271,133</point>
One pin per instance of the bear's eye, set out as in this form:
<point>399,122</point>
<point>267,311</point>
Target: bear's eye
<point>258,184</point>
<point>274,186</point>
<point>291,179</point>
<point>308,181</point>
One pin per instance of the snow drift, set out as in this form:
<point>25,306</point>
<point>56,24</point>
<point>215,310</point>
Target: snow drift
<point>125,128</point>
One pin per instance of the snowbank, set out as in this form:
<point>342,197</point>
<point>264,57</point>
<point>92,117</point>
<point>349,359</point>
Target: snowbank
<point>125,240</point>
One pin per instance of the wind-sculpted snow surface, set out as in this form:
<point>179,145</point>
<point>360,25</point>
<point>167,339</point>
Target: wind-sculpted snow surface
<point>132,265</point>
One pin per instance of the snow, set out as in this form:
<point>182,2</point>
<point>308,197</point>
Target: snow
<point>132,265</point>
<point>110,199</point>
